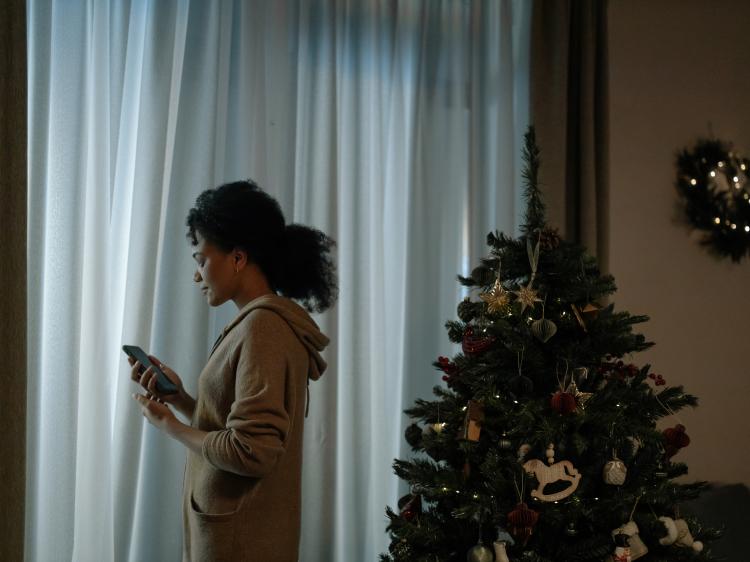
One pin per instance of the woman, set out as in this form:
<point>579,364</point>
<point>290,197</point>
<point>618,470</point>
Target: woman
<point>241,490</point>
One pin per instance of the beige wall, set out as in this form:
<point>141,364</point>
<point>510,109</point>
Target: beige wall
<point>675,66</point>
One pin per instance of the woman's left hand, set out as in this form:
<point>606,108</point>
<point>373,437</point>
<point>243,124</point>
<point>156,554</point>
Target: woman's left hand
<point>156,411</point>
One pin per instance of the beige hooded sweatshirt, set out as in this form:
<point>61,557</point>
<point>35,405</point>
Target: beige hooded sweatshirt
<point>242,494</point>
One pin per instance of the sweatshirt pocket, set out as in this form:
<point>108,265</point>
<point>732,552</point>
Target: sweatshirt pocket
<point>213,517</point>
<point>211,534</point>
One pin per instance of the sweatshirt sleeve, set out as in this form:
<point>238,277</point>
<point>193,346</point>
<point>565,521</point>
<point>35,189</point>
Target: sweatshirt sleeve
<point>258,422</point>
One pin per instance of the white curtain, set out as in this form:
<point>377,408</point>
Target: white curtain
<point>393,126</point>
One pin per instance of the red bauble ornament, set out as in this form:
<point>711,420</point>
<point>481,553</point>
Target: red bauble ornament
<point>475,344</point>
<point>412,507</point>
<point>521,522</point>
<point>675,439</point>
<point>563,402</point>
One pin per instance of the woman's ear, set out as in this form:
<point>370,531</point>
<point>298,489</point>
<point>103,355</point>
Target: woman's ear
<point>239,259</point>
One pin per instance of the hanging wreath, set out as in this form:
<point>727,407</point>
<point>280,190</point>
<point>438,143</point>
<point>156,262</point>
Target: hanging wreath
<point>713,184</point>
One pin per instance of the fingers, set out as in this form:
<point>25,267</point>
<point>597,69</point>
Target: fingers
<point>135,372</point>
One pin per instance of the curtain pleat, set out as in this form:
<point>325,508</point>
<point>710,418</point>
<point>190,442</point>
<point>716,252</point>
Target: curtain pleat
<point>569,110</point>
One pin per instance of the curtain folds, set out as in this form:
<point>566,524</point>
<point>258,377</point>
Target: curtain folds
<point>569,108</point>
<point>394,127</point>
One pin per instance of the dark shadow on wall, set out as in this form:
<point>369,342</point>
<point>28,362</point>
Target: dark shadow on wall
<point>726,506</point>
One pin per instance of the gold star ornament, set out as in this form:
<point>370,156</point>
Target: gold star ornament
<point>527,297</point>
<point>497,299</point>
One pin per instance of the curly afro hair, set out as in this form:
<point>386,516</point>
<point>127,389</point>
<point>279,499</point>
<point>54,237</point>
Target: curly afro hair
<point>295,258</point>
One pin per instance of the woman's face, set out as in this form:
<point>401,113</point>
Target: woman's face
<point>215,273</point>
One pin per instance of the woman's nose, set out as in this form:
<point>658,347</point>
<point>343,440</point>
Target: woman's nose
<point>197,277</point>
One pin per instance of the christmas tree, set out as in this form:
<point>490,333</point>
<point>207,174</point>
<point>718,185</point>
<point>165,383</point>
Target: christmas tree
<point>544,446</point>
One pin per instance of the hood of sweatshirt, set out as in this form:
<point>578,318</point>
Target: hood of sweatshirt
<point>302,324</point>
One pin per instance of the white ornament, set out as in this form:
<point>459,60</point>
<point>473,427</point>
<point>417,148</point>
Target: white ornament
<point>637,547</point>
<point>563,470</point>
<point>678,533</point>
<point>614,472</point>
<point>550,454</point>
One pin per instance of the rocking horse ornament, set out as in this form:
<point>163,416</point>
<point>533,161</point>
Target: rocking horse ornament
<point>563,470</point>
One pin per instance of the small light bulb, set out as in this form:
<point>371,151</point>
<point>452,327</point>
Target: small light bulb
<point>735,179</point>
<point>717,220</point>
<point>497,396</point>
<point>742,166</point>
<point>721,164</point>
<point>734,226</point>
<point>693,182</point>
<point>747,228</point>
<point>713,174</point>
<point>515,401</point>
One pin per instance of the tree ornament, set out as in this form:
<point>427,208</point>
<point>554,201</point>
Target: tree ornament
<point>571,530</point>
<point>581,398</point>
<point>563,470</point>
<point>520,383</point>
<point>410,506</point>
<point>479,553</point>
<point>675,439</point>
<point>622,548</point>
<point>497,299</point>
<point>628,540</point>
<point>527,297</point>
<point>585,315</point>
<point>504,442</point>
<point>637,546</point>
<point>475,344</point>
<point>563,402</point>
<point>522,521</point>
<point>543,329</point>
<point>615,471</point>
<point>678,533</point>
<point>473,420</point>
<point>550,453</point>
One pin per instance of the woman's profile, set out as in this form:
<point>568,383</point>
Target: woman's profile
<point>242,480</point>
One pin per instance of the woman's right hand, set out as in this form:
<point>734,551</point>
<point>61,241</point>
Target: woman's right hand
<point>181,400</point>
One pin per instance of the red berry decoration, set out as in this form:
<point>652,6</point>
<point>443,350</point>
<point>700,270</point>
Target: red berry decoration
<point>521,522</point>
<point>675,439</point>
<point>563,402</point>
<point>475,344</point>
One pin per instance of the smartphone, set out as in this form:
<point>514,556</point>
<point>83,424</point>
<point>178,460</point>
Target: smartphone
<point>163,384</point>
